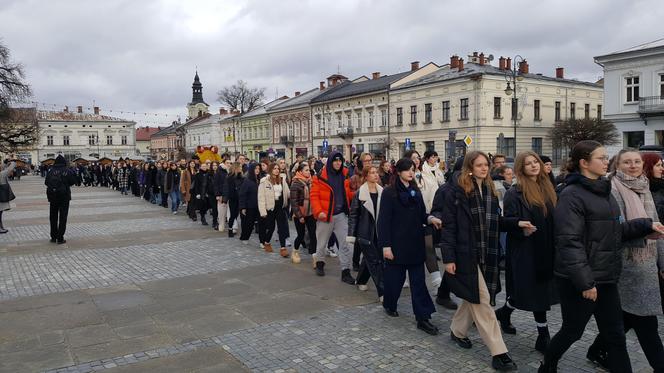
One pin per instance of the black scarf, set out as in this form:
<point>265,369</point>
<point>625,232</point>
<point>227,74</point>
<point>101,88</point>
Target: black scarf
<point>485,214</point>
<point>407,195</point>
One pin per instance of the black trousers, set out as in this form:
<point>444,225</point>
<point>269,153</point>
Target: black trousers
<point>58,218</point>
<point>208,204</point>
<point>371,265</point>
<point>191,207</point>
<point>248,221</point>
<point>164,197</point>
<point>234,211</point>
<point>394,276</point>
<point>310,226</point>
<point>646,329</point>
<point>357,252</point>
<point>576,312</point>
<point>274,218</point>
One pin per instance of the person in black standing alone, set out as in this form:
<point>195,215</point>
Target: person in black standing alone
<point>401,223</point>
<point>202,192</point>
<point>589,233</point>
<point>58,191</point>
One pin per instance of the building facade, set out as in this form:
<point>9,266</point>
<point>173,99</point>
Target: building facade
<point>634,94</point>
<point>88,135</point>
<point>353,117</point>
<point>437,111</point>
<point>143,135</point>
<point>255,131</point>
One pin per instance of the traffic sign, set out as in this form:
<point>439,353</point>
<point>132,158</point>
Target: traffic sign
<point>467,140</point>
<point>325,143</point>
<point>407,143</point>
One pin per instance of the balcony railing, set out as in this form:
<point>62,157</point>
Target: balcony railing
<point>651,104</point>
<point>346,132</point>
<point>286,140</point>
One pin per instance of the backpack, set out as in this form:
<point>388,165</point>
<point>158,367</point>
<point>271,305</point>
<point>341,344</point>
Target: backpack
<point>55,185</point>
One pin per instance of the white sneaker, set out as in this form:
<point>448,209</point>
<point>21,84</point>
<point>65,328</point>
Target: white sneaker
<point>406,284</point>
<point>380,299</point>
<point>436,279</point>
<point>175,212</point>
<point>332,252</point>
<point>362,287</point>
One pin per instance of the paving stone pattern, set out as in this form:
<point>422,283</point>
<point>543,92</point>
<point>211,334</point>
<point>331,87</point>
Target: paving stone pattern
<point>87,211</point>
<point>46,273</point>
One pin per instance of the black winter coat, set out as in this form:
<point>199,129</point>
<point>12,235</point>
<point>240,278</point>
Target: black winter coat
<point>248,194</point>
<point>58,181</point>
<point>203,184</point>
<point>232,187</point>
<point>657,190</point>
<point>401,226</point>
<point>529,259</point>
<point>361,219</point>
<point>589,232</point>
<point>220,182</point>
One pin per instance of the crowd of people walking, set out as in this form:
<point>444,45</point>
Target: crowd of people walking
<point>589,240</point>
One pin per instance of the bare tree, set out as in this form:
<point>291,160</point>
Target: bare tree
<point>241,97</point>
<point>567,133</point>
<point>18,126</point>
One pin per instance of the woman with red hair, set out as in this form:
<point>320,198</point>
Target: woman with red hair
<point>653,168</point>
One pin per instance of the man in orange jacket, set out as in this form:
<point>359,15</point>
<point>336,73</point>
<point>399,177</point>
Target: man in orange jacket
<point>330,203</point>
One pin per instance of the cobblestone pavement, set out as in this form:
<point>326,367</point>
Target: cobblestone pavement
<point>198,301</point>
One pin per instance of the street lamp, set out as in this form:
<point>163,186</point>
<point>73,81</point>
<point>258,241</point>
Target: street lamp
<point>511,77</point>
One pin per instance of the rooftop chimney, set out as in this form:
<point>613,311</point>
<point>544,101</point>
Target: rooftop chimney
<point>415,65</point>
<point>79,109</point>
<point>508,63</point>
<point>66,109</point>
<point>482,59</point>
<point>460,64</point>
<point>560,73</point>
<point>454,62</point>
<point>523,67</point>
<point>297,93</point>
<point>375,75</point>
<point>96,110</point>
<point>322,86</point>
<point>223,111</point>
<point>501,63</point>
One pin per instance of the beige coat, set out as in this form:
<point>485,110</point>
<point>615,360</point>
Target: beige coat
<point>266,195</point>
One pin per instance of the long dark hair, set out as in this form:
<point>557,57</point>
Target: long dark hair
<point>251,171</point>
<point>582,150</point>
<point>405,164</point>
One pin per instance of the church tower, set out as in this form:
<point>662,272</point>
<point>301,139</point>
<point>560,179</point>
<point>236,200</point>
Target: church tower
<point>197,106</point>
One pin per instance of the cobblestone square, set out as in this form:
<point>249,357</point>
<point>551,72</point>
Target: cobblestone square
<point>197,300</point>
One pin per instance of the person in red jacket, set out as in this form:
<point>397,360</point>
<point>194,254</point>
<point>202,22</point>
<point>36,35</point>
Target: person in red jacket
<point>330,202</point>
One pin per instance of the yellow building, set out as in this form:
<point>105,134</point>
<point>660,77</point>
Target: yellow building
<point>469,99</point>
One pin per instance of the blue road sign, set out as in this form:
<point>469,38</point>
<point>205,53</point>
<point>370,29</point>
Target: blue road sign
<point>407,143</point>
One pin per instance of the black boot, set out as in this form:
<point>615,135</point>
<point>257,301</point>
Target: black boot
<point>215,224</point>
<point>543,339</point>
<point>503,314</point>
<point>347,277</point>
<point>320,268</point>
<point>427,327</point>
<point>503,363</point>
<point>203,221</point>
<point>548,367</point>
<point>598,356</point>
<point>230,233</point>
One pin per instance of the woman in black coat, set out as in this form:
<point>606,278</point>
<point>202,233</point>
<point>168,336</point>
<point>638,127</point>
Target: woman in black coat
<point>529,261</point>
<point>653,168</point>
<point>589,234</point>
<point>470,242</point>
<point>364,210</point>
<point>202,192</point>
<point>401,225</point>
<point>231,196</point>
<point>248,201</point>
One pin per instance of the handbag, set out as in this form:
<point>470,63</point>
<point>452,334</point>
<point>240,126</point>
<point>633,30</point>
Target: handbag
<point>6,193</point>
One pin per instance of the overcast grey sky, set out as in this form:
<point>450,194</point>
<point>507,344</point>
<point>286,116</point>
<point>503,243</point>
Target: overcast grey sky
<point>141,55</point>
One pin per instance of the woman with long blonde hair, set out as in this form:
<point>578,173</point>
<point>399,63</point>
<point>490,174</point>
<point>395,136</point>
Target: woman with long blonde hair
<point>529,259</point>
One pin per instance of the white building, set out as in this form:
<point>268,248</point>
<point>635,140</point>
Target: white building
<point>205,130</point>
<point>634,94</point>
<point>85,135</point>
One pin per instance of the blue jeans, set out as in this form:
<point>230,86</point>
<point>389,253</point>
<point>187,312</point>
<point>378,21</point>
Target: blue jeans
<point>175,199</point>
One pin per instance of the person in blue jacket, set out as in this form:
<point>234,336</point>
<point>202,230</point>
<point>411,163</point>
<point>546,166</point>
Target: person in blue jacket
<point>401,225</point>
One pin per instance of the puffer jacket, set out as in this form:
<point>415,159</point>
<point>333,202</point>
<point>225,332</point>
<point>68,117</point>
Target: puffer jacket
<point>322,197</point>
<point>361,219</point>
<point>266,199</point>
<point>589,231</point>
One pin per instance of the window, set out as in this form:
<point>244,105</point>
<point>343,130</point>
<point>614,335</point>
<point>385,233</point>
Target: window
<point>536,110</point>
<point>371,118</point>
<point>446,111</point>
<point>506,147</point>
<point>496,107</point>
<point>537,145</point>
<point>599,111</point>
<point>339,121</point>
<point>359,148</point>
<point>632,89</point>
<point>124,140</point>
<point>399,116</point>
<point>430,145</point>
<point>661,87</point>
<point>463,113</point>
<point>91,140</point>
<point>413,115</point>
<point>65,140</point>
<point>359,120</point>
<point>318,123</point>
<point>572,110</point>
<point>109,140</point>
<point>586,111</point>
<point>427,113</point>
<point>515,108</point>
<point>383,117</point>
<point>633,139</point>
<point>557,111</point>
<point>49,140</point>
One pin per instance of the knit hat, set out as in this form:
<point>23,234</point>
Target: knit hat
<point>60,160</point>
<point>545,159</point>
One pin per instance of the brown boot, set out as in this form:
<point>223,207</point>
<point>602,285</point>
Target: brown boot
<point>283,252</point>
<point>267,247</point>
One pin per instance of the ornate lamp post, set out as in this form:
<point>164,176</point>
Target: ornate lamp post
<point>512,75</point>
